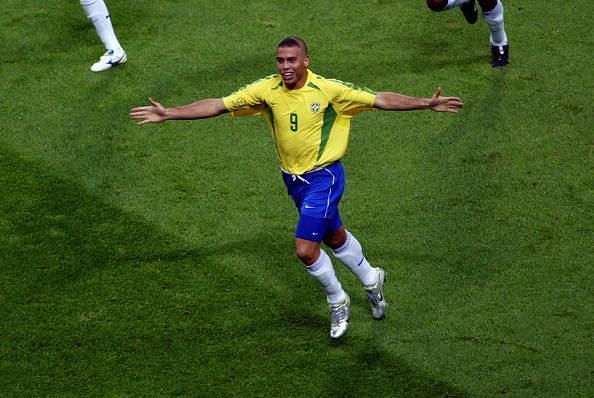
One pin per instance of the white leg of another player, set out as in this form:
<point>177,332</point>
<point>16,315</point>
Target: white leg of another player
<point>494,19</point>
<point>98,14</point>
<point>498,38</point>
<point>454,3</point>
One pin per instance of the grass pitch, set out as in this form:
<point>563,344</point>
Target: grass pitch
<point>159,260</point>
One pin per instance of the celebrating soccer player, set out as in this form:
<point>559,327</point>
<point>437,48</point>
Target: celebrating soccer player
<point>310,117</point>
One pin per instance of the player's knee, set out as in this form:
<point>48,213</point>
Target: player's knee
<point>307,254</point>
<point>437,5</point>
<point>493,18</point>
<point>336,239</point>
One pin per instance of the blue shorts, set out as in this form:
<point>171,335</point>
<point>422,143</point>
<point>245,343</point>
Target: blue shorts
<point>316,195</point>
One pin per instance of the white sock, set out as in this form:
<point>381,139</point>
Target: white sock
<point>323,272</point>
<point>454,3</point>
<point>97,12</point>
<point>351,255</point>
<point>494,19</point>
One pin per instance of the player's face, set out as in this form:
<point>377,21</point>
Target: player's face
<point>292,65</point>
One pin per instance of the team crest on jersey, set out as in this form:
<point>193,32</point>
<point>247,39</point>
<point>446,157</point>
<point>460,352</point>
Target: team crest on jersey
<point>239,102</point>
<point>315,107</point>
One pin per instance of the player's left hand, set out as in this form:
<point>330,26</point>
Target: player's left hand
<point>445,104</point>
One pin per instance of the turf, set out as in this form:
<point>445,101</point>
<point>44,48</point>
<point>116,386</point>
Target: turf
<point>158,260</point>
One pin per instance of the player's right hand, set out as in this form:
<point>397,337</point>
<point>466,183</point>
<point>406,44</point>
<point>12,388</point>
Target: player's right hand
<point>155,113</point>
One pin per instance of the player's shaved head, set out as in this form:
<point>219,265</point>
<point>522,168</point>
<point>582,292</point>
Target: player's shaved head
<point>293,41</point>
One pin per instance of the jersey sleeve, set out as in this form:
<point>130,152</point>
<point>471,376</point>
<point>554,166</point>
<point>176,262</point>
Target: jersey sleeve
<point>248,100</point>
<point>349,99</point>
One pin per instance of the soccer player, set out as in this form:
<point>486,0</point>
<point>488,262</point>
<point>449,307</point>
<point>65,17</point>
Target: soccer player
<point>97,12</point>
<point>310,120</point>
<point>493,16</point>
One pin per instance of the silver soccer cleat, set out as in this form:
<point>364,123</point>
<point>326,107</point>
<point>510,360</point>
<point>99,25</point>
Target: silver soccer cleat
<point>340,318</point>
<point>376,296</point>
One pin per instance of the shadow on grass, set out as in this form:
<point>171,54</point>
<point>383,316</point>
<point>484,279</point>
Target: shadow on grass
<point>372,367</point>
<point>195,323</point>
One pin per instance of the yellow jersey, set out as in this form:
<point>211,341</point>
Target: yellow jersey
<point>310,125</point>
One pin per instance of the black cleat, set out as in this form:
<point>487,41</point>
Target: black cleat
<point>470,12</point>
<point>500,56</point>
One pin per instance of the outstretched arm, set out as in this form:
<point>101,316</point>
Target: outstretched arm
<point>389,101</point>
<point>157,113</point>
